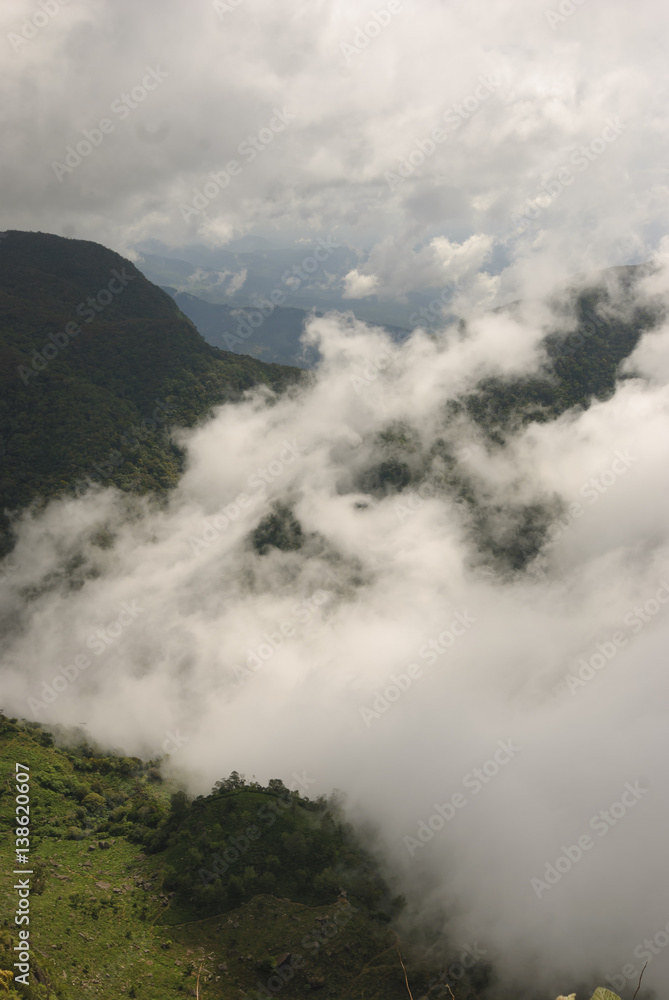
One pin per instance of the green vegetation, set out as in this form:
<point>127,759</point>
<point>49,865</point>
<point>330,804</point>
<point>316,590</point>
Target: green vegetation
<point>280,530</point>
<point>274,842</point>
<point>96,406</point>
<point>579,367</point>
<point>137,889</point>
<point>100,407</point>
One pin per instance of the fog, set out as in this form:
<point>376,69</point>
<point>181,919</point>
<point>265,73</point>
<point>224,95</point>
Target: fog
<point>487,721</point>
<point>390,656</point>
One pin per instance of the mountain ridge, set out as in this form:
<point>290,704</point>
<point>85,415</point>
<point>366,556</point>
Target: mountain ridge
<point>93,360</point>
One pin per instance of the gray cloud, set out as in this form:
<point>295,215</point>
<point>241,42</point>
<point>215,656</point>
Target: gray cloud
<point>354,122</point>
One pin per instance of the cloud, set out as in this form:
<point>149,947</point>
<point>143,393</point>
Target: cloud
<point>357,286</point>
<point>391,271</point>
<point>237,281</point>
<point>261,124</point>
<point>387,655</point>
<point>228,78</point>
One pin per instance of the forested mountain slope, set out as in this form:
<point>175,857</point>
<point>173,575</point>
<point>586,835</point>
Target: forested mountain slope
<point>95,363</point>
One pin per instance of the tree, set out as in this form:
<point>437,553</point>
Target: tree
<point>235,781</point>
<point>277,785</point>
<point>178,805</point>
<point>94,802</point>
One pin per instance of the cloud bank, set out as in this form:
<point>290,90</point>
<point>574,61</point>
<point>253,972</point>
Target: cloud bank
<point>506,731</point>
<point>433,119</point>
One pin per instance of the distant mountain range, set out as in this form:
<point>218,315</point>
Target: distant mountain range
<point>306,276</point>
<point>272,333</point>
<point>97,363</point>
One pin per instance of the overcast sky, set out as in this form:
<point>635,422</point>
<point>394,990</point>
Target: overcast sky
<point>516,88</point>
<point>553,161</point>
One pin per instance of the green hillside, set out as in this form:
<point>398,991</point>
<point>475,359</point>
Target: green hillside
<point>579,367</point>
<point>95,364</point>
<point>136,890</point>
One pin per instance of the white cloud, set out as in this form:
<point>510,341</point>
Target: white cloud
<point>325,171</point>
<point>237,281</point>
<point>395,581</point>
<point>391,270</point>
<point>357,286</point>
<point>399,581</point>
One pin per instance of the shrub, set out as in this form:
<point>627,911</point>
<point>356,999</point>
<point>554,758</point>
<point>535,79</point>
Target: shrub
<point>94,802</point>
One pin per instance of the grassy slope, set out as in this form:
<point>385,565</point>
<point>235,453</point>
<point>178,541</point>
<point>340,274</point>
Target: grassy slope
<point>104,926</point>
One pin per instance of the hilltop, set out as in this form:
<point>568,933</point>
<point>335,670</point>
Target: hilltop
<point>95,364</point>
